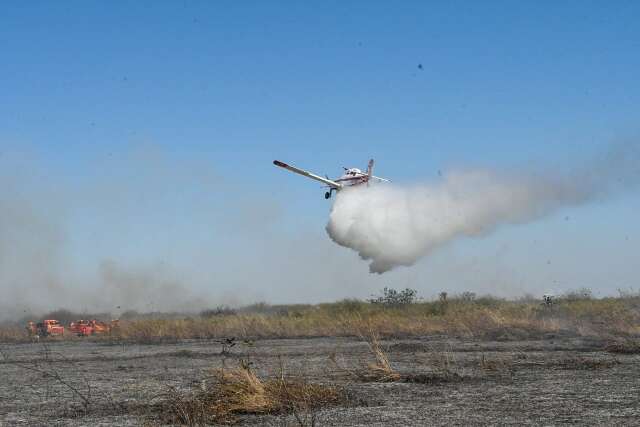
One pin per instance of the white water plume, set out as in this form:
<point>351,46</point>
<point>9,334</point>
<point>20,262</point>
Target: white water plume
<point>397,225</point>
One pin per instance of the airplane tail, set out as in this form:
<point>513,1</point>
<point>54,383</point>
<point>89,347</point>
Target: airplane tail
<point>369,170</point>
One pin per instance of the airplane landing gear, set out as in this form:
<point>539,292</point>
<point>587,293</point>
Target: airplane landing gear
<point>327,195</point>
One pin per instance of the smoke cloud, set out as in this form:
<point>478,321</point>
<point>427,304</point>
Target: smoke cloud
<point>88,245</point>
<point>391,225</point>
<point>149,232</point>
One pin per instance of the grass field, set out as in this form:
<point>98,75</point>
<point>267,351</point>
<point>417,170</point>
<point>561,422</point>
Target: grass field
<point>390,361</point>
<point>461,316</point>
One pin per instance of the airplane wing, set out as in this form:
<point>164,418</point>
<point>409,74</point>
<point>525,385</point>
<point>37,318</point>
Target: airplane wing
<point>302,172</point>
<point>380,179</point>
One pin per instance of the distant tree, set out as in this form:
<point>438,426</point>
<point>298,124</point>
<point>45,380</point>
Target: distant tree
<point>221,310</point>
<point>443,303</point>
<point>578,294</point>
<point>628,293</point>
<point>130,315</point>
<point>393,298</point>
<point>468,296</point>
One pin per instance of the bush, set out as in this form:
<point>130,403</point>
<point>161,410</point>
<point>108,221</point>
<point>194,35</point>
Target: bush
<point>240,391</point>
<point>578,295</point>
<point>221,310</point>
<point>393,298</point>
<point>468,296</point>
<point>257,308</point>
<point>345,306</point>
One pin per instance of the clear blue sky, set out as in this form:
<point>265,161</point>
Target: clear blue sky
<point>135,125</point>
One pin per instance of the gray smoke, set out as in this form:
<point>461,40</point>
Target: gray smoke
<point>392,225</point>
<point>31,242</point>
<point>41,270</point>
<point>148,233</point>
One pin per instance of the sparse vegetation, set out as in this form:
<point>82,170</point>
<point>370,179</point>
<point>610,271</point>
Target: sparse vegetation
<point>78,389</point>
<point>221,310</point>
<point>393,298</point>
<point>467,296</point>
<point>380,370</point>
<point>578,295</point>
<point>398,314</point>
<point>441,366</point>
<point>494,364</point>
<point>232,392</point>
<point>167,389</point>
<point>11,333</point>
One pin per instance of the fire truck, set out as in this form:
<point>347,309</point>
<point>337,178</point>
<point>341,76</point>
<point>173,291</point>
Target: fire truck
<point>85,328</point>
<point>46,328</point>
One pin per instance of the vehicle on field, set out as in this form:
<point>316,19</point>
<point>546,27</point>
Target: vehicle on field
<point>85,328</point>
<point>46,328</point>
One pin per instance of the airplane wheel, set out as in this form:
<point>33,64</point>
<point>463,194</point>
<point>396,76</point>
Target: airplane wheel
<point>327,195</point>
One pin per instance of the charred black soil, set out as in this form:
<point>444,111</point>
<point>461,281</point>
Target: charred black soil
<point>437,381</point>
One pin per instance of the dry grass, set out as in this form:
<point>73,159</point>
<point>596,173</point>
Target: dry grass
<point>240,391</point>
<point>441,365</point>
<point>380,370</point>
<point>483,318</point>
<point>14,334</point>
<point>497,319</point>
<point>495,364</point>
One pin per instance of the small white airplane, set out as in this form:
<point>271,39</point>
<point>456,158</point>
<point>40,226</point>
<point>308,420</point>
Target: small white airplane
<point>350,178</point>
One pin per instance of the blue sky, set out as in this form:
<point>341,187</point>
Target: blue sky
<point>145,130</point>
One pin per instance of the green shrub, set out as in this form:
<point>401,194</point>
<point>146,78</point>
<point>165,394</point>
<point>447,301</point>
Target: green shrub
<point>393,298</point>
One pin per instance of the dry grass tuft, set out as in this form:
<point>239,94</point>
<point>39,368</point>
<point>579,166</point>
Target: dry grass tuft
<point>497,364</point>
<point>627,346</point>
<point>240,391</point>
<point>442,364</point>
<point>380,370</point>
<point>443,367</point>
<point>491,364</point>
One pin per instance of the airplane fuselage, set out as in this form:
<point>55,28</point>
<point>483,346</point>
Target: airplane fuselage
<point>351,177</point>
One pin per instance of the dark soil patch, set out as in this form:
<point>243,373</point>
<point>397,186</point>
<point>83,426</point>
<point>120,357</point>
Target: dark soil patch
<point>624,347</point>
<point>432,378</point>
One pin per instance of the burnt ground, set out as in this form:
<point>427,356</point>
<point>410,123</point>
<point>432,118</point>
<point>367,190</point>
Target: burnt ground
<point>448,381</point>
